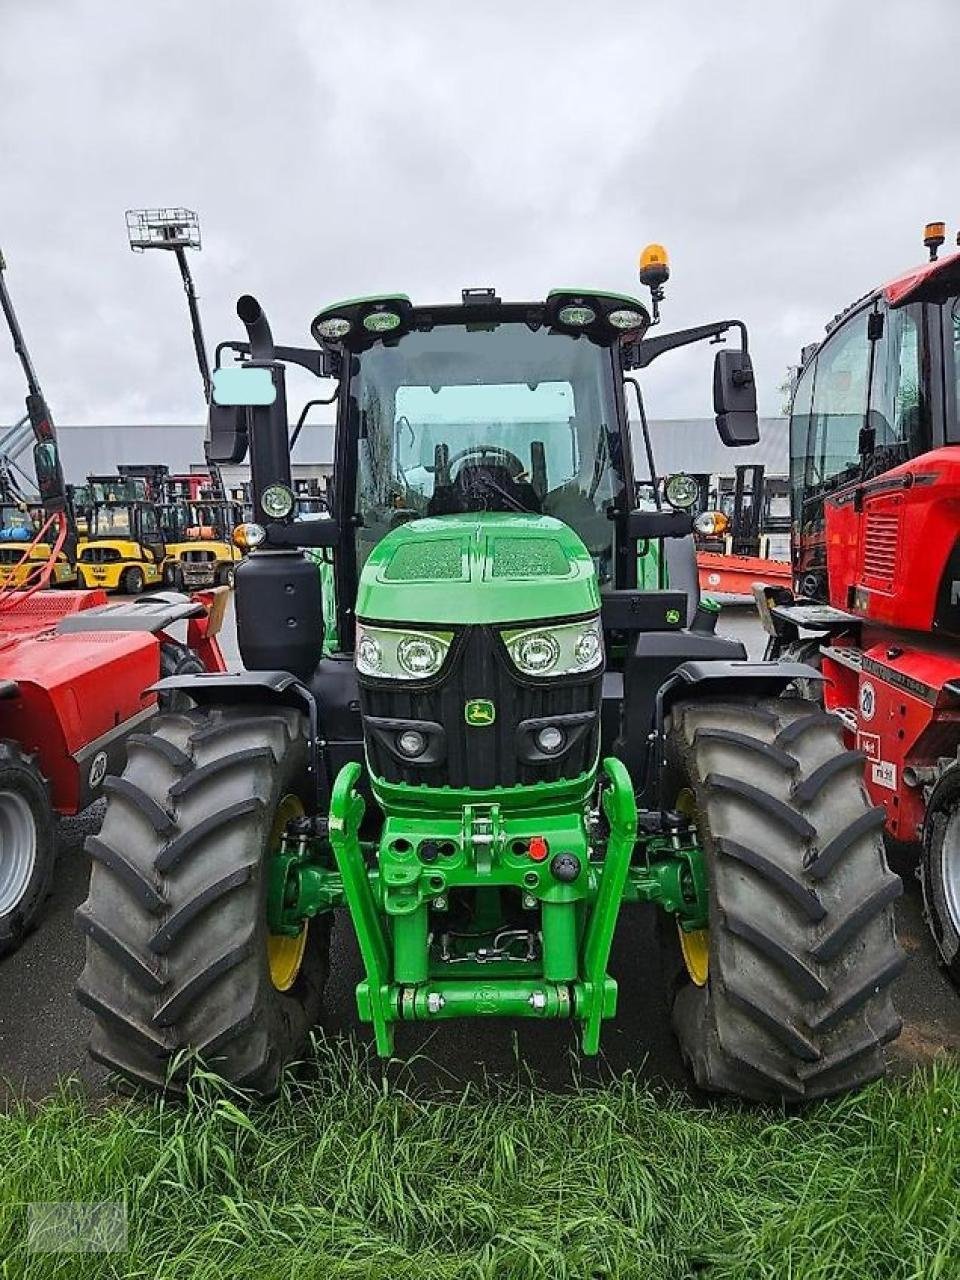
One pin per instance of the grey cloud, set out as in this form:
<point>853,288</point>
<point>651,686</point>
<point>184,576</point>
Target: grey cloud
<point>787,155</point>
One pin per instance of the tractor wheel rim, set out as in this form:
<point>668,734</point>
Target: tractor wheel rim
<point>18,849</point>
<point>285,952</point>
<point>694,944</point>
<point>695,948</point>
<point>950,868</point>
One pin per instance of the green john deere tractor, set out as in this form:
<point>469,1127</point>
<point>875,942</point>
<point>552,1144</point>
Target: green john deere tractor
<point>483,709</point>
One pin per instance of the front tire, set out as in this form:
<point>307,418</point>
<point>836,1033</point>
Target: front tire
<point>177,938</point>
<point>940,870</point>
<point>27,845</point>
<point>133,581</point>
<point>802,946</point>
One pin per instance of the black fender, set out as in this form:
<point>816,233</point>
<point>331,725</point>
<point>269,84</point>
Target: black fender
<point>712,679</point>
<point>236,688</point>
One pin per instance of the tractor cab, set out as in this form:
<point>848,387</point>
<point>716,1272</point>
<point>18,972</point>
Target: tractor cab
<point>873,426</point>
<point>124,546</point>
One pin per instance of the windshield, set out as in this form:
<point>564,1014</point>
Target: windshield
<point>491,417</point>
<point>110,522</point>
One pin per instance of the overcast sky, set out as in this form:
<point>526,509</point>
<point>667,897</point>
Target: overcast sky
<point>786,154</point>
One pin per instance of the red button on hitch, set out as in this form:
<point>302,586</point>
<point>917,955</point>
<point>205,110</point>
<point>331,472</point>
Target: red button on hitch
<point>539,849</point>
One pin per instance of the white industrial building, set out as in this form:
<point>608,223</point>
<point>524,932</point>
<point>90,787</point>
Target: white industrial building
<point>679,444</point>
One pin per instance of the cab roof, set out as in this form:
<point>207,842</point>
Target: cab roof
<point>931,282</point>
<point>482,307</point>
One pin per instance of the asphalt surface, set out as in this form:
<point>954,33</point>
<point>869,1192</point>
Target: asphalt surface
<point>43,1031</point>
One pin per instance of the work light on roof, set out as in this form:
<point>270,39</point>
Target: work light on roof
<point>334,328</point>
<point>576,316</point>
<point>626,318</point>
<point>381,321</point>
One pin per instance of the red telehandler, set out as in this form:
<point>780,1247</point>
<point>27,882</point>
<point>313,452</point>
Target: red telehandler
<point>875,488</point>
<point>73,670</point>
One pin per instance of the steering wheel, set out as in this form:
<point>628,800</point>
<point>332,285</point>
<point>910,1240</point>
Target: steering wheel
<point>478,454</point>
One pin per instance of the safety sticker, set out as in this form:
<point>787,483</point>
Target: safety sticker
<point>885,774</point>
<point>869,744</point>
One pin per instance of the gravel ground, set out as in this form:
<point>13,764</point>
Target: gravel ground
<point>43,1030</point>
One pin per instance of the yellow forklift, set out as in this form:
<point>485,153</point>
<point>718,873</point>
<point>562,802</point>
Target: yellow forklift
<point>124,549</point>
<point>199,542</point>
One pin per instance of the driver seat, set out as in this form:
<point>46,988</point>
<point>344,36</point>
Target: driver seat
<point>460,495</point>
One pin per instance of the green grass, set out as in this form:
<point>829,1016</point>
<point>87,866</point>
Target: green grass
<point>350,1176</point>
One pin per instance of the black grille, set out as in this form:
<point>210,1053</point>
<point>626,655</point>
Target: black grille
<point>198,557</point>
<point>491,755</point>
<point>99,555</point>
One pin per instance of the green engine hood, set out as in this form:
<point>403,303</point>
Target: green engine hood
<point>478,568</point>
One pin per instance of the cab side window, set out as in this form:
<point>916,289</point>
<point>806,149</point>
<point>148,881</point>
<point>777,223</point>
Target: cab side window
<point>801,421</point>
<point>896,417</point>
<point>839,406</point>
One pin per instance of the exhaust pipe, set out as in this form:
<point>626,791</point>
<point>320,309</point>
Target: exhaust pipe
<point>257,326</point>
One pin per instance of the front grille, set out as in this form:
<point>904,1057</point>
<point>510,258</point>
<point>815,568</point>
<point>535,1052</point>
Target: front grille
<point>99,555</point>
<point>11,555</point>
<point>198,557</point>
<point>880,542</point>
<point>487,756</point>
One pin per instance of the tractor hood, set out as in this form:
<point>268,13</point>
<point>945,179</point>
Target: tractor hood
<point>478,568</point>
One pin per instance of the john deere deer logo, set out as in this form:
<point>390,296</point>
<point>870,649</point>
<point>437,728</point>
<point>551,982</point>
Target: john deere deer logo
<point>479,712</point>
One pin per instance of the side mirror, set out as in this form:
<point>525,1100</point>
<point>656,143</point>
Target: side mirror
<point>229,433</point>
<point>735,398</point>
<point>238,385</point>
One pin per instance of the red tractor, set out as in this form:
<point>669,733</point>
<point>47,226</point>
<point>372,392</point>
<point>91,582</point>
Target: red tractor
<point>73,671</point>
<point>875,487</point>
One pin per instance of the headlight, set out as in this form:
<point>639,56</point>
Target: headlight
<point>711,523</point>
<point>277,501</point>
<point>681,491</point>
<point>565,650</point>
<point>400,655</point>
<point>249,535</point>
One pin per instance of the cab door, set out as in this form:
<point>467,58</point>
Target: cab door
<point>150,535</point>
<point>827,422</point>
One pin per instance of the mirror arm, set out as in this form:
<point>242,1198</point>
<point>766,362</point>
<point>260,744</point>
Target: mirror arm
<point>648,349</point>
<point>307,358</point>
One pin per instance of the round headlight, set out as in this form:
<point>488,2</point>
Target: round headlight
<point>711,523</point>
<point>588,648</point>
<point>576,316</point>
<point>411,743</point>
<point>537,653</point>
<point>381,321</point>
<point>334,328</point>
<point>624,318</point>
<point>550,739</point>
<point>369,655</point>
<point>681,491</point>
<point>277,501</point>
<point>249,535</point>
<point>420,655</point>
